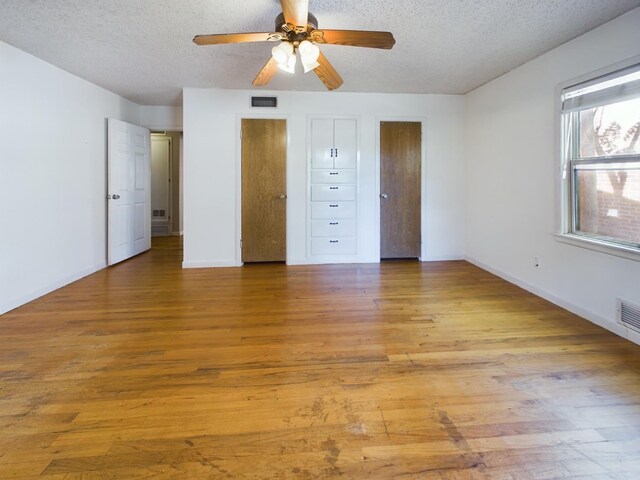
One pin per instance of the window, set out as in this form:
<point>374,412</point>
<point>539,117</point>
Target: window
<point>601,159</point>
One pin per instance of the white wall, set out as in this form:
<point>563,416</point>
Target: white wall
<point>52,175</point>
<point>161,118</point>
<point>512,172</point>
<point>212,156</point>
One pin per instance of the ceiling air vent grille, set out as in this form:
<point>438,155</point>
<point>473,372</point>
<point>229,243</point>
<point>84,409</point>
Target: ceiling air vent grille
<point>629,315</point>
<point>264,102</point>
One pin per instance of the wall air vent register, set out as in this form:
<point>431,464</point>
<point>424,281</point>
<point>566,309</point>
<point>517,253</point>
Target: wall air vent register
<point>264,102</point>
<point>629,315</point>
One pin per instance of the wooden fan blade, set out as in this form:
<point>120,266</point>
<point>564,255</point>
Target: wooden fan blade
<point>354,38</point>
<point>296,12</point>
<point>236,38</point>
<point>266,74</point>
<point>327,73</point>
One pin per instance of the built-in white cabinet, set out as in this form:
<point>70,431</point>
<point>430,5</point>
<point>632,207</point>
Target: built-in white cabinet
<point>333,143</point>
<point>333,188</point>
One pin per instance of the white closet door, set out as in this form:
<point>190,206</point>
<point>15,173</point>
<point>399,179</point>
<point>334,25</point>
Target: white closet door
<point>322,143</point>
<point>345,143</point>
<point>128,191</point>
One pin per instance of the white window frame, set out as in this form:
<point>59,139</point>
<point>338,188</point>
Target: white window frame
<point>569,158</point>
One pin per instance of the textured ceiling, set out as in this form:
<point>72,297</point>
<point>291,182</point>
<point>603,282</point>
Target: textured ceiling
<point>143,51</point>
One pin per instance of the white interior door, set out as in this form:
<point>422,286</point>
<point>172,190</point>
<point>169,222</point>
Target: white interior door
<point>128,191</point>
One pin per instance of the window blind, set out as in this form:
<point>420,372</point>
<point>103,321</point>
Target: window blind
<point>615,87</point>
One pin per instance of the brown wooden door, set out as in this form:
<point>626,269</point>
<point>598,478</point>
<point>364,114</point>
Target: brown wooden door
<point>264,205</point>
<point>400,158</point>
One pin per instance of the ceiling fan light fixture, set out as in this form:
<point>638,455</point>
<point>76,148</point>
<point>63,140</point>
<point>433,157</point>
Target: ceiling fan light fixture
<point>290,65</point>
<point>282,53</point>
<point>308,51</point>
<point>309,54</point>
<point>308,66</point>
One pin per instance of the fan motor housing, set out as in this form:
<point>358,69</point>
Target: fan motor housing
<point>312,22</point>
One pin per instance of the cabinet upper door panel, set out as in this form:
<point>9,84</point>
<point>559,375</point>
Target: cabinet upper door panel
<point>345,143</point>
<point>322,143</point>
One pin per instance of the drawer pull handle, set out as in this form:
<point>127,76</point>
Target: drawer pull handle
<point>333,206</point>
<point>333,241</point>
<point>333,173</point>
<point>333,188</point>
<point>333,223</point>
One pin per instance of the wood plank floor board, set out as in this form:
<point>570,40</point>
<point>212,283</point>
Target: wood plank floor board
<point>379,371</point>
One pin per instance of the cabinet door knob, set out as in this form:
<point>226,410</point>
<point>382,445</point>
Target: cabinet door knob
<point>282,196</point>
<point>384,195</point>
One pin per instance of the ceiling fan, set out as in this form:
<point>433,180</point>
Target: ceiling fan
<point>297,30</point>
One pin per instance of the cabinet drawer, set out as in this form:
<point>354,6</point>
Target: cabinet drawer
<point>333,176</point>
<point>333,228</point>
<point>333,192</point>
<point>333,210</point>
<point>333,245</point>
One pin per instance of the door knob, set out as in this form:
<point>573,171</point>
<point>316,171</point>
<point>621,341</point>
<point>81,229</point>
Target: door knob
<point>115,196</point>
<point>384,195</point>
<point>282,196</point>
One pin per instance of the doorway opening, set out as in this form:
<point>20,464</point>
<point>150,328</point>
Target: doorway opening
<point>166,191</point>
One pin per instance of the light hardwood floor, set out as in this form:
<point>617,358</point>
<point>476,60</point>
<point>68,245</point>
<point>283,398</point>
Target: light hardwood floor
<point>401,370</point>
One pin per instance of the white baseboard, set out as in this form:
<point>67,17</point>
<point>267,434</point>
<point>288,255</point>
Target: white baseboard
<point>599,320</point>
<point>443,258</point>
<point>18,302</point>
<point>206,264</point>
<point>297,261</point>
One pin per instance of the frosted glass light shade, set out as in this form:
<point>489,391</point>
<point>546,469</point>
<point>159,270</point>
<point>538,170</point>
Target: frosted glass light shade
<point>309,54</point>
<point>282,53</point>
<point>289,66</point>
<point>308,51</point>
<point>308,66</point>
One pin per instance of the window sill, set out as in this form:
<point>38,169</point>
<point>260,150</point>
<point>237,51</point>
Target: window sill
<point>601,246</point>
